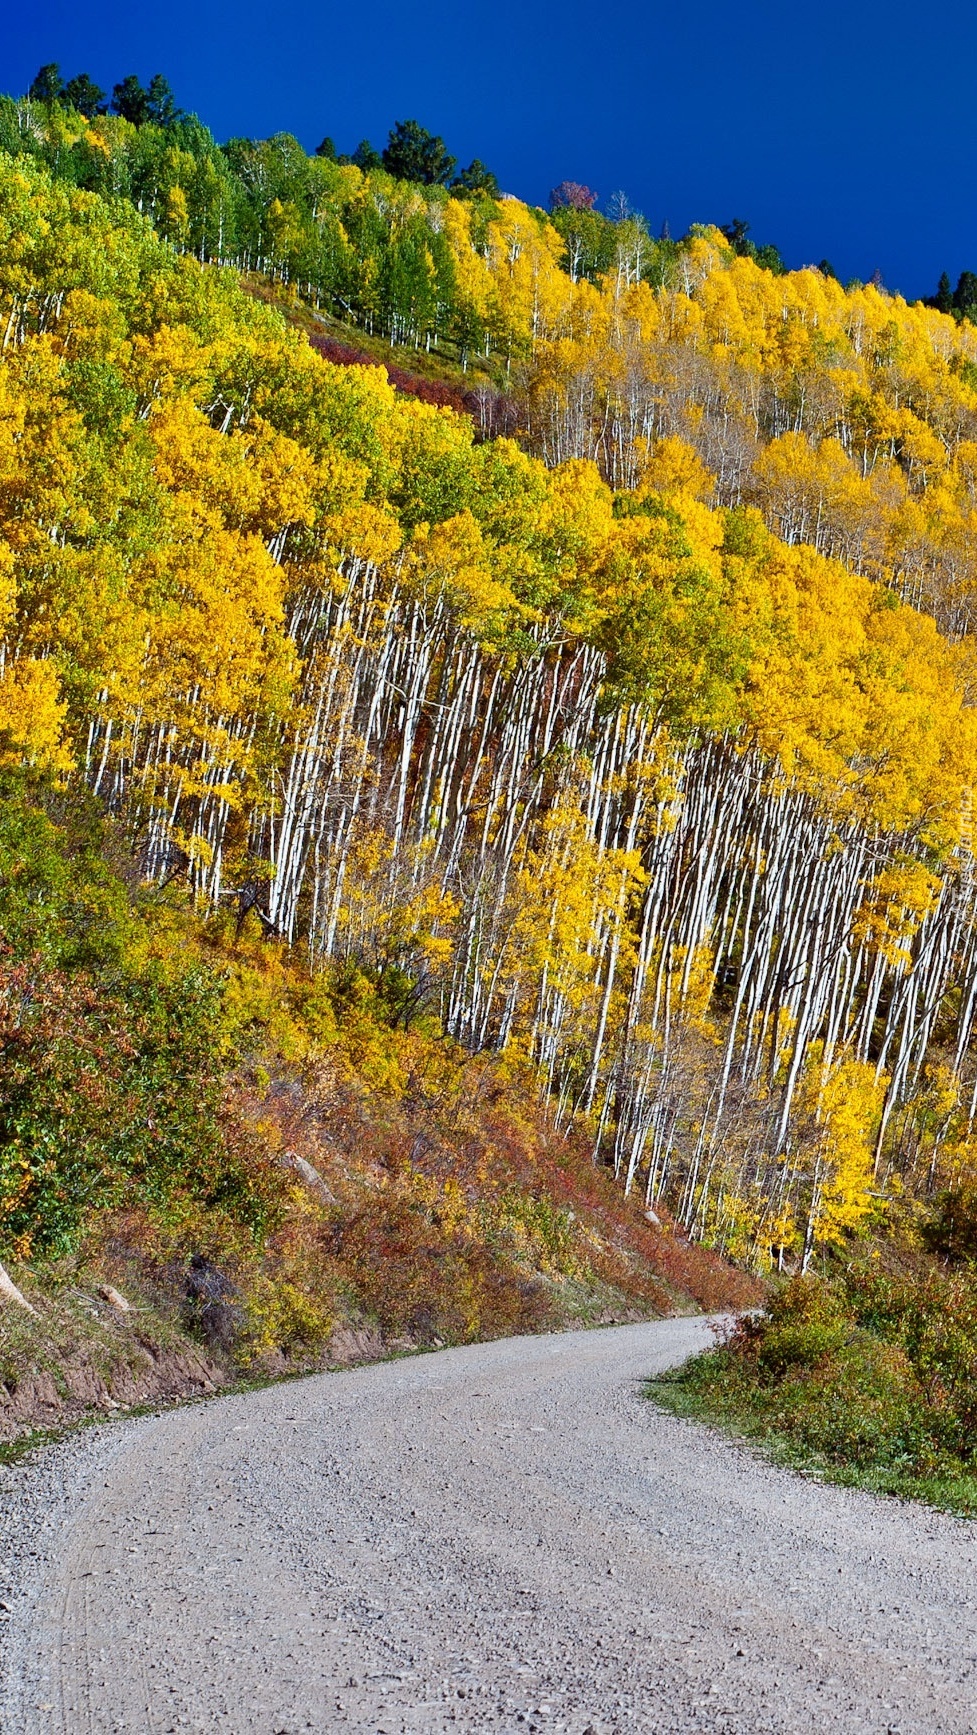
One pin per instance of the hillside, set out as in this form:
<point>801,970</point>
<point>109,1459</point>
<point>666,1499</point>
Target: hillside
<point>216,1164</point>
<point>524,831</point>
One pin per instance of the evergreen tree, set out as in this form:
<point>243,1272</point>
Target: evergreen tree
<point>414,154</point>
<point>130,101</point>
<point>769,258</point>
<point>47,86</point>
<point>965,296</point>
<point>83,94</point>
<point>365,157</point>
<point>943,299</point>
<point>476,179</point>
<point>161,109</point>
<point>736,234</point>
<point>155,105</point>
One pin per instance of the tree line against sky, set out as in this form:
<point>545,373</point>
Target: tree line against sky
<point>414,154</point>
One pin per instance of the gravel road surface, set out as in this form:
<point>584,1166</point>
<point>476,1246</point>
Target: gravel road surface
<point>506,1537</point>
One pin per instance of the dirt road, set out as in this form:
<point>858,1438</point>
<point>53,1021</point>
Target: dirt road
<point>502,1538</point>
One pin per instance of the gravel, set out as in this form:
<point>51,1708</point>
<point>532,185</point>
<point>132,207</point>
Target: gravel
<point>506,1537</point>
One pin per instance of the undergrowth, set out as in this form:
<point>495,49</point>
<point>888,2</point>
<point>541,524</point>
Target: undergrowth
<point>867,1378</point>
<point>258,1157</point>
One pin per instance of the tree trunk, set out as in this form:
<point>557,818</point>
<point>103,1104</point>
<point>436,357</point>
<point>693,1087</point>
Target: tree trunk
<point>10,1293</point>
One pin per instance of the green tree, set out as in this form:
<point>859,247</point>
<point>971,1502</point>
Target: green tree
<point>414,154</point>
<point>943,299</point>
<point>767,256</point>
<point>161,109</point>
<point>365,157</point>
<point>590,239</point>
<point>83,94</point>
<point>736,234</point>
<point>965,296</point>
<point>476,179</point>
<point>47,86</point>
<point>156,104</point>
<point>130,100</point>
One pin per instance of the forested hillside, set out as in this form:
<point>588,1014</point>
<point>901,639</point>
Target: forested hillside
<point>632,753</point>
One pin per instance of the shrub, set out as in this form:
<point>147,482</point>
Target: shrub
<point>871,1375</point>
<point>112,1046</point>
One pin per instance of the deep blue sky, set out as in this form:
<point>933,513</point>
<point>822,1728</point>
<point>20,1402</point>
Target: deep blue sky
<point>844,129</point>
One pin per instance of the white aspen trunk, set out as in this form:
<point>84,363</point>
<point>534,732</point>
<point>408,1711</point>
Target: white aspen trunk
<point>10,1294</point>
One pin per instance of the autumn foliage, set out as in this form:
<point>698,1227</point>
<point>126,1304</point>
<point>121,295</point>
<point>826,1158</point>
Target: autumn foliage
<point>631,762</point>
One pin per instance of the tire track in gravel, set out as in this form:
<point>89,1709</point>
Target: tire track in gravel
<point>501,1538</point>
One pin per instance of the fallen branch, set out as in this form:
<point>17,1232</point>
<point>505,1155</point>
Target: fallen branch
<point>310,1176</point>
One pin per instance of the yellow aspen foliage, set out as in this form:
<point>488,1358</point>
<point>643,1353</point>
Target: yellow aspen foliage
<point>897,901</point>
<point>257,481</point>
<point>453,559</point>
<point>169,361</point>
<point>176,223</point>
<point>8,589</point>
<point>777,1234</point>
<point>563,892</point>
<point>811,493</point>
<point>33,716</point>
<point>218,634</point>
<point>673,467</point>
<point>473,276</point>
<point>844,1101</point>
<point>532,294</point>
<point>386,920</point>
<point>691,980</point>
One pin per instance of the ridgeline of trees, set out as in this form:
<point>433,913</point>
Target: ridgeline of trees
<point>642,751</point>
<point>233,183</point>
<point>382,247</point>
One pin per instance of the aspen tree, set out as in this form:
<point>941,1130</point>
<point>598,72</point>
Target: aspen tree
<point>589,762</point>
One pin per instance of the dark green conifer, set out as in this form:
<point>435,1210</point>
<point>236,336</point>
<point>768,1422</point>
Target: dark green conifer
<point>47,86</point>
<point>83,94</point>
<point>413,154</point>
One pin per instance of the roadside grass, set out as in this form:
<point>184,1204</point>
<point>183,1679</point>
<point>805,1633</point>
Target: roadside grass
<point>868,1381</point>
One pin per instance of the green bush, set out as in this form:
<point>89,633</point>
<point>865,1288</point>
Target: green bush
<point>112,1046</point>
<point>803,1346</point>
<point>870,1377</point>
